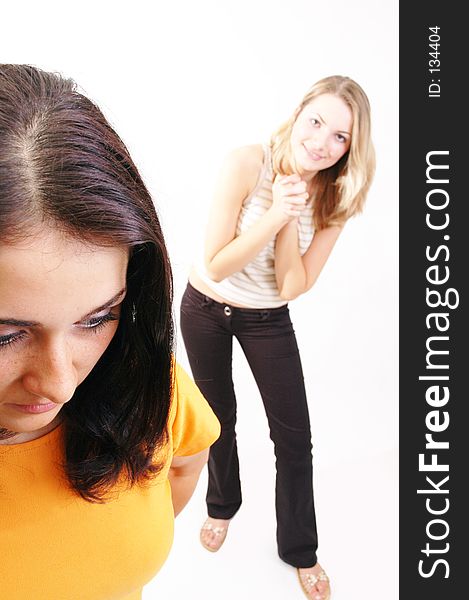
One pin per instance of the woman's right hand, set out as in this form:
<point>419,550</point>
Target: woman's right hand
<point>289,197</point>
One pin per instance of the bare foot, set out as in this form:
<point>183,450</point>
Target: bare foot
<point>315,583</point>
<point>213,533</point>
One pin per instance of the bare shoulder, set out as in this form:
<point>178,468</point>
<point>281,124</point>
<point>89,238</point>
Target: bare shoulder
<point>249,157</point>
<point>245,163</point>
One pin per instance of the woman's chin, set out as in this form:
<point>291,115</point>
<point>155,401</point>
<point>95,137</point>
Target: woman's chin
<point>33,425</point>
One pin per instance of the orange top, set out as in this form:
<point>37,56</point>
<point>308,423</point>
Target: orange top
<point>56,546</point>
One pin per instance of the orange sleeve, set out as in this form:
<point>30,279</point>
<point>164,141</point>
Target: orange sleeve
<point>192,423</point>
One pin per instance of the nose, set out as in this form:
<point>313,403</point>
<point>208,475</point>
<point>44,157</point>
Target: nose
<point>51,374</point>
<point>319,141</point>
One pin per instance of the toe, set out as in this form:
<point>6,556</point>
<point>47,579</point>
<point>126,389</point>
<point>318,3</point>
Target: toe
<point>319,590</point>
<point>322,589</point>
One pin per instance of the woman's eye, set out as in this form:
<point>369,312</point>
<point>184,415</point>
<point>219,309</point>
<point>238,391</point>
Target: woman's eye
<point>10,339</point>
<point>314,121</point>
<point>341,138</point>
<point>95,323</point>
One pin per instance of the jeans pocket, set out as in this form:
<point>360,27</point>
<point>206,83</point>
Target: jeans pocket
<point>193,301</point>
<point>188,301</point>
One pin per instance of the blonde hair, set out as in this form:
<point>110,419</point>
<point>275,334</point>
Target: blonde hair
<point>340,190</point>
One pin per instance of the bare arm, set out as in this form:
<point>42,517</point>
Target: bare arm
<point>183,476</point>
<point>296,274</point>
<point>224,252</point>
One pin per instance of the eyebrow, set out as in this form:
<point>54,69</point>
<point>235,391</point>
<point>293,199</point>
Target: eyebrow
<point>338,131</point>
<point>107,304</point>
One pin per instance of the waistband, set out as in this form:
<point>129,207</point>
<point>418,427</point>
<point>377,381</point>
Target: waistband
<point>194,293</point>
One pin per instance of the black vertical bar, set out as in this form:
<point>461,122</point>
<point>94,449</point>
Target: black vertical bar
<point>434,267</point>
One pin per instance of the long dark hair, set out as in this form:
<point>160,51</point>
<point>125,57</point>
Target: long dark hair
<point>62,164</point>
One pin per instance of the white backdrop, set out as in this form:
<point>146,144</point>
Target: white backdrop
<point>183,82</point>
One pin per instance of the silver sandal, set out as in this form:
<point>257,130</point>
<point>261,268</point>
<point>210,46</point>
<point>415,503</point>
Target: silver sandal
<point>219,533</point>
<point>309,580</point>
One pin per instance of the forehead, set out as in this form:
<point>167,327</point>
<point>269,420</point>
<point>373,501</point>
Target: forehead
<point>332,109</point>
<point>51,276</point>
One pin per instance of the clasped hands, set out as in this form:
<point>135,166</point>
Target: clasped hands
<point>289,197</point>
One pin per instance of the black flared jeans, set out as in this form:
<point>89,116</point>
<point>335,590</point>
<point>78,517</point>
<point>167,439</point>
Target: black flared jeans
<point>268,341</point>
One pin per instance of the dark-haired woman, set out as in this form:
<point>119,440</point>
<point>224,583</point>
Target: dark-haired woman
<point>102,436</point>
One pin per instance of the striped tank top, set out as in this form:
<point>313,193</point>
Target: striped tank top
<point>255,285</point>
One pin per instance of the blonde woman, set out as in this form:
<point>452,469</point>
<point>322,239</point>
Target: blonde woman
<point>278,211</point>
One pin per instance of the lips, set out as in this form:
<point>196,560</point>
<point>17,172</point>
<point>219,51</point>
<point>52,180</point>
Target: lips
<point>34,408</point>
<point>314,155</point>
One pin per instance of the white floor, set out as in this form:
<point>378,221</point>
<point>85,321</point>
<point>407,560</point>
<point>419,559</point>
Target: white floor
<point>356,505</point>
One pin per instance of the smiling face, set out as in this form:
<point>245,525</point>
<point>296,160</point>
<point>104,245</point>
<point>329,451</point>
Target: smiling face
<point>60,303</point>
<point>321,134</point>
